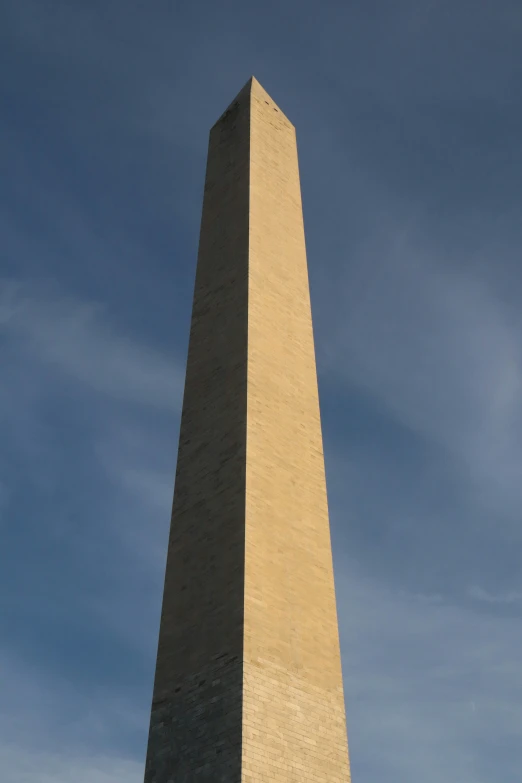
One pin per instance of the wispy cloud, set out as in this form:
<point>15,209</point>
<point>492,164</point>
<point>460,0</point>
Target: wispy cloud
<point>510,598</point>
<point>55,732</point>
<point>20,765</point>
<point>78,339</point>
<point>444,356</point>
<point>426,682</point>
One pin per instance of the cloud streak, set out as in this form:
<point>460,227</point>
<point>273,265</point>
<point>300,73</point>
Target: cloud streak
<point>78,339</point>
<point>442,354</point>
<point>425,681</point>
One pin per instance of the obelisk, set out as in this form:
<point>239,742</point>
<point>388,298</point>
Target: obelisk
<point>248,685</point>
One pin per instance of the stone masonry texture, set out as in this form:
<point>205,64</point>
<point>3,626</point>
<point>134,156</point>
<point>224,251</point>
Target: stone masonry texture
<point>248,685</point>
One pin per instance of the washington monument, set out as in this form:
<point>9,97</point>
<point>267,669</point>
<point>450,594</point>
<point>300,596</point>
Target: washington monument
<point>248,685</point>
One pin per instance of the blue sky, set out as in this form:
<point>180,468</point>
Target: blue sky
<point>409,126</point>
